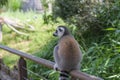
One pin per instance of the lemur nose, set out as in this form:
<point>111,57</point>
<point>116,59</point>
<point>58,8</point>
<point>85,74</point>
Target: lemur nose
<point>54,34</point>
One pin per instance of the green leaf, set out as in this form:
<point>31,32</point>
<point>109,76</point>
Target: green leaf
<point>110,29</point>
<point>116,42</point>
<point>91,49</point>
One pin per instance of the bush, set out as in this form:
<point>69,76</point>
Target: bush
<point>109,15</point>
<point>14,4</point>
<point>80,13</point>
<point>3,2</point>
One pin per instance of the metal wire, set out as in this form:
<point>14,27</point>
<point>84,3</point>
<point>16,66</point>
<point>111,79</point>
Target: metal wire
<point>35,73</point>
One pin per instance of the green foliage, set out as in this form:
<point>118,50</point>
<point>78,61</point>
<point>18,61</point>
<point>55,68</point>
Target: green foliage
<point>67,9</point>
<point>46,53</point>
<point>39,43</point>
<point>109,15</point>
<point>48,17</point>
<point>96,28</point>
<point>81,13</point>
<point>14,4</point>
<point>104,57</point>
<point>3,2</point>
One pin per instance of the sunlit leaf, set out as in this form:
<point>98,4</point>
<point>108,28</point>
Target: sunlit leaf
<point>117,75</point>
<point>106,63</point>
<point>116,42</point>
<point>110,29</point>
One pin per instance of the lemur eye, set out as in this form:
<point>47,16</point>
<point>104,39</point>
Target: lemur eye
<point>60,30</point>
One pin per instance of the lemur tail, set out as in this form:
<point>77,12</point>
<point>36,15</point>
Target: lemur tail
<point>64,75</point>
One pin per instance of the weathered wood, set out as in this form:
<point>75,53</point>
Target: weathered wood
<point>49,64</point>
<point>40,61</point>
<point>84,76</point>
<point>1,63</point>
<point>22,69</point>
<point>7,71</point>
<point>4,76</point>
<point>15,24</point>
<point>4,71</point>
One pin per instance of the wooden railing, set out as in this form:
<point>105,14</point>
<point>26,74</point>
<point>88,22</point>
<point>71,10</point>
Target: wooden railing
<point>22,72</point>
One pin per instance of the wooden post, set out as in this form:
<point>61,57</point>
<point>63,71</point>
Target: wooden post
<point>22,69</point>
<point>0,63</point>
<point>0,32</point>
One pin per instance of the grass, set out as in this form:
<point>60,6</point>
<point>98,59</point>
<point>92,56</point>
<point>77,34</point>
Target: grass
<point>100,53</point>
<point>35,39</point>
<point>39,42</point>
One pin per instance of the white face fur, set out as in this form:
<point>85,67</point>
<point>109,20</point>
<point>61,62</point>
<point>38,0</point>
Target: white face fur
<point>59,32</point>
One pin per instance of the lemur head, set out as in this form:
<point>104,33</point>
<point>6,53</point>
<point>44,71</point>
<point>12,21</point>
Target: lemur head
<point>61,31</point>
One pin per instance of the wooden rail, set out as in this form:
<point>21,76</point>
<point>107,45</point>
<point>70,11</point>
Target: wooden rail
<point>49,64</point>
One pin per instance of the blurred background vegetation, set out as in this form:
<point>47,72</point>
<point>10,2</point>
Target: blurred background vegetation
<point>94,23</point>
